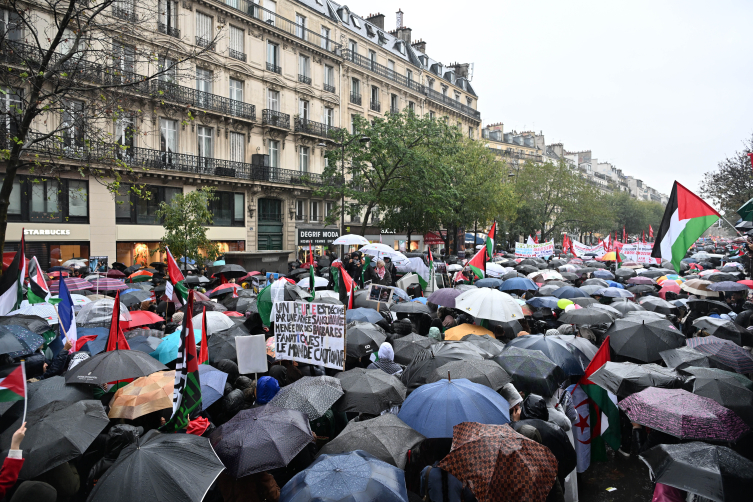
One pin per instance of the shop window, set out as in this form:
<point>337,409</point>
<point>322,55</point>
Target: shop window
<point>36,199</point>
<point>227,209</point>
<point>141,209</point>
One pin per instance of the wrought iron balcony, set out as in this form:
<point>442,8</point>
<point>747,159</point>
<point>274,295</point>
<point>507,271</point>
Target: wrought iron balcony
<point>125,13</point>
<point>376,106</point>
<point>168,30</point>
<point>452,103</point>
<point>240,56</point>
<point>329,88</point>
<point>313,128</point>
<point>273,67</point>
<point>275,119</point>
<point>355,98</point>
<point>205,100</point>
<point>304,79</point>
<point>394,109</point>
<point>205,43</point>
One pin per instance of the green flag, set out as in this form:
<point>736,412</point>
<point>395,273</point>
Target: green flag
<point>312,282</point>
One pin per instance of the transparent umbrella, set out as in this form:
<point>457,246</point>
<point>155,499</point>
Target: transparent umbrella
<point>99,313</point>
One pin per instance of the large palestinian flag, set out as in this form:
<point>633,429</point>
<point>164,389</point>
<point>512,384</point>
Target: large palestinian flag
<point>478,263</point>
<point>686,218</point>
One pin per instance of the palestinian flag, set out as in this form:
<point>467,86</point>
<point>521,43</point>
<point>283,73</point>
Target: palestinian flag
<point>11,283</point>
<point>312,282</point>
<point>618,259</point>
<point>429,279</point>
<point>686,218</point>
<point>13,383</point>
<point>187,390</point>
<point>478,263</point>
<point>346,286</point>
<point>176,278</point>
<point>604,415</point>
<point>38,291</point>
<point>490,240</point>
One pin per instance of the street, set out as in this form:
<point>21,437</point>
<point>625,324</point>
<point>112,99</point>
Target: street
<point>628,475</point>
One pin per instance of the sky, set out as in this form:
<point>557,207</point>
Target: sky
<point>661,89</point>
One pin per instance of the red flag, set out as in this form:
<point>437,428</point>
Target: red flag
<point>172,269</point>
<point>204,351</point>
<point>536,239</point>
<point>624,235</point>
<point>192,364</point>
<point>751,159</point>
<point>346,286</point>
<point>311,254</point>
<point>650,232</point>
<point>643,236</point>
<point>116,339</point>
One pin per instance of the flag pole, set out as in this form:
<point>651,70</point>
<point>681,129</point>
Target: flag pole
<point>26,397</point>
<point>731,225</point>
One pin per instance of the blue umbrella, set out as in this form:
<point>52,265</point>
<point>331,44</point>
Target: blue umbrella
<point>614,293</point>
<point>569,292</point>
<point>420,299</point>
<point>603,274</point>
<point>489,282</point>
<point>617,285</point>
<point>362,314</point>
<point>469,238</point>
<point>434,409</point>
<point>168,349</point>
<point>728,286</point>
<point>347,477</point>
<point>212,384</point>
<point>400,293</point>
<point>519,284</point>
<point>548,302</point>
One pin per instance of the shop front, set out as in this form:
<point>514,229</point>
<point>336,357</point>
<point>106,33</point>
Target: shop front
<point>320,240</point>
<point>51,243</point>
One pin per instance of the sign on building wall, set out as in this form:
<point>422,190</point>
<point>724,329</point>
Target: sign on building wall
<point>312,333</point>
<point>317,236</point>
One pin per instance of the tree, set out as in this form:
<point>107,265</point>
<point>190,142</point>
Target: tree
<point>75,76</point>
<point>185,219</point>
<point>730,185</point>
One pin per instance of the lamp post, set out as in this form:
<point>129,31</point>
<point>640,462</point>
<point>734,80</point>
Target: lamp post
<point>342,145</point>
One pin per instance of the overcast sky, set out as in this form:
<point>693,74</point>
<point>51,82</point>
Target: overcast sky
<point>661,89</point>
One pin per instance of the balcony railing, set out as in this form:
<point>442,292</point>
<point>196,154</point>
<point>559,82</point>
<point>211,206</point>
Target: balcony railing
<point>168,30</point>
<point>329,88</point>
<point>200,99</point>
<point>394,109</point>
<point>126,14</point>
<point>205,43</point>
<point>304,79</point>
<point>273,19</point>
<point>273,67</point>
<point>355,98</point>
<point>448,101</point>
<point>376,106</point>
<point>275,119</point>
<point>313,128</point>
<point>240,56</point>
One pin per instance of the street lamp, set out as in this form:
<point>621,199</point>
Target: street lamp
<point>342,145</point>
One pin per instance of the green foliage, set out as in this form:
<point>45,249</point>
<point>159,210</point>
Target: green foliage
<point>730,185</point>
<point>185,219</point>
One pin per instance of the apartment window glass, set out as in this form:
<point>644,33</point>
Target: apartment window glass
<point>168,15</point>
<point>236,94</point>
<point>14,207</point>
<point>123,56</point>
<point>374,94</point>
<point>300,210</point>
<point>300,28</point>
<point>329,117</point>
<point>204,85</point>
<point>393,102</point>
<point>168,70</point>
<point>204,31</point>
<point>73,124</point>
<point>315,216</point>
<point>238,206</point>
<point>432,115</point>
<point>444,90</point>
<point>224,209</point>
<point>237,147</point>
<point>325,38</point>
<point>269,14</point>
<point>11,26</point>
<point>391,67</point>
<point>274,153</point>
<point>304,66</point>
<point>168,135</point>
<point>303,164</point>
<point>469,101</point>
<point>328,208</point>
<point>77,198</point>
<point>10,106</point>
<point>412,106</point>
<point>355,87</point>
<point>124,136</point>
<point>205,141</point>
<point>329,75</point>
<point>44,201</point>
<point>353,127</point>
<point>303,109</point>
<point>409,75</point>
<point>273,100</point>
<point>123,204</point>
<point>237,49</point>
<point>273,54</point>
<point>353,46</point>
<point>372,58</point>
<point>470,132</point>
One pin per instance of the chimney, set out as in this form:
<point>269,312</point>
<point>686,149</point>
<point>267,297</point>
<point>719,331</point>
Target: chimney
<point>461,69</point>
<point>420,46</point>
<point>377,20</point>
<point>401,31</point>
<point>399,23</point>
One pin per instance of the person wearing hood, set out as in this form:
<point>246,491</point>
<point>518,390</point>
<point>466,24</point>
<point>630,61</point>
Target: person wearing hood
<point>266,389</point>
<point>435,334</point>
<point>386,361</point>
<point>534,406</point>
<point>118,438</point>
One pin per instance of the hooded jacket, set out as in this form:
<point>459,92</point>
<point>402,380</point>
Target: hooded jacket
<point>266,389</point>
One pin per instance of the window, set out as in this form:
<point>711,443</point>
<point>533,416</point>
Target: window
<point>227,209</point>
<point>412,106</point>
<point>393,103</point>
<point>300,210</point>
<point>353,127</point>
<point>303,155</point>
<point>303,109</point>
<point>444,90</point>
<point>168,139</point>
<point>124,135</point>
<point>409,75</point>
<point>391,68</point>
<point>372,58</point>
<point>205,142</point>
<point>48,200</point>
<point>269,14</point>
<point>44,201</point>
<point>329,117</point>
<point>273,58</point>
<point>329,78</point>
<point>204,86</point>
<point>304,71</point>
<point>15,209</point>
<point>236,94</point>
<point>273,100</point>
<point>11,27</point>
<point>124,9</point>
<point>314,215</point>
<point>237,50</point>
<point>168,70</point>
<point>353,46</point>
<point>274,153</point>
<point>67,44</point>
<point>432,115</point>
<point>328,208</point>
<point>470,132</point>
<point>375,98</point>
<point>270,225</point>
<point>73,124</point>
<point>204,31</point>
<point>237,147</point>
<point>77,198</point>
<point>325,38</point>
<point>300,28</point>
<point>469,101</point>
<point>355,91</point>
<point>168,17</point>
<point>123,59</point>
<point>10,106</point>
<point>131,208</point>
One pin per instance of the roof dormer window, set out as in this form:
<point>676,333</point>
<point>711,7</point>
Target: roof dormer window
<point>370,30</point>
<point>356,22</point>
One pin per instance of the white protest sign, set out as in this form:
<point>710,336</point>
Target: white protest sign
<point>534,250</point>
<point>581,249</point>
<point>311,333</point>
<point>639,252</point>
<point>252,354</point>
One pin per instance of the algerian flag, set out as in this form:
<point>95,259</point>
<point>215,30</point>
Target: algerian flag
<point>478,263</point>
<point>686,218</point>
<point>490,240</point>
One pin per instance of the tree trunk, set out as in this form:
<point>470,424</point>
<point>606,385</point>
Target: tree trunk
<point>366,219</point>
<point>5,191</point>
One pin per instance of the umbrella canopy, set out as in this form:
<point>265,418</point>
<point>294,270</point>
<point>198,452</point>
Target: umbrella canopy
<point>44,310</point>
<point>572,361</point>
<point>105,284</point>
<point>604,274</point>
<point>224,289</point>
<point>612,292</point>
<point>408,346</point>
<point>549,302</point>
<point>216,321</point>
<point>222,345</point>
<point>500,464</point>
<point>698,287</point>
<point>642,280</point>
<point>319,282</point>
<point>485,303</point>
<point>241,304</point>
<point>715,472</point>
<point>458,332</point>
<point>569,292</point>
<point>728,286</point>
<point>142,318</point>
<point>684,415</point>
<point>590,289</point>
<point>345,477</point>
<point>363,339</point>
<point>596,282</point>
<point>57,432</point>
<point>488,282</point>
<point>52,389</point>
<point>654,304</point>
<point>518,284</point>
<point>725,329</point>
<point>531,370</point>
<point>230,271</point>
<point>135,297</point>
<point>410,308</point>
<point>113,366</point>
<point>445,297</point>
<point>587,315</point>
<point>143,395</point>
<point>167,351</point>
<point>434,409</point>
<point>484,372</point>
<point>212,384</point>
<point>99,313</point>
<point>643,339</point>
<point>423,364</point>
<point>362,314</point>
<point>586,347</point>
<point>386,437</point>
<point>260,439</point>
<point>684,357</point>
<point>724,351</point>
<point>161,467</point>
<point>18,341</point>
<point>626,273</point>
<point>485,342</point>
<point>726,390</point>
<point>554,438</point>
<point>72,283</point>
<point>351,240</point>
<point>369,391</point>
<point>312,396</point>
<point>624,379</point>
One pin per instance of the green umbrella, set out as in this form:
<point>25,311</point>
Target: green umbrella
<point>746,211</point>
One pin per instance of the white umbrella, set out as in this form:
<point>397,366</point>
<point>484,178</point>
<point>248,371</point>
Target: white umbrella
<point>75,262</point>
<point>78,301</point>
<point>216,321</point>
<point>319,282</point>
<point>382,250</point>
<point>454,267</point>
<point>44,310</point>
<point>351,240</point>
<point>495,270</point>
<point>327,293</point>
<point>546,274</point>
<point>491,304</point>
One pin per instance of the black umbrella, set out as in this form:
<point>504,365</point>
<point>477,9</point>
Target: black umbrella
<point>705,306</point>
<point>722,328</point>
<point>721,277</point>
<point>9,344</point>
<point>554,438</point>
<point>531,370</point>
<point>160,467</point>
<point>33,323</point>
<point>57,432</point>
<point>488,343</point>
<point>643,339</point>
<point>135,297</point>
<point>571,360</point>
<point>656,304</point>
<point>625,306</point>
<point>410,308</point>
<point>529,261</point>
<point>198,306</point>
<point>363,338</point>
<point>585,302</point>
<point>485,372</point>
<point>312,396</point>
<point>641,288</point>
<point>408,346</point>
<point>221,344</point>
<point>588,316</point>
<point>421,369</point>
<point>625,273</point>
<point>260,439</point>
<point>624,379</point>
<point>714,472</point>
<point>369,391</point>
<point>114,366</point>
<point>616,314</point>
<point>196,280</point>
<point>569,276</point>
<point>242,304</point>
<point>726,390</point>
<point>230,271</point>
<point>386,437</point>
<point>52,389</point>
<point>295,274</point>
<point>596,282</point>
<point>685,357</point>
<point>526,269</point>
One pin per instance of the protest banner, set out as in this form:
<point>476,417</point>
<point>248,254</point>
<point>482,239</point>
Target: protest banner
<point>312,333</point>
<point>639,252</point>
<point>581,249</point>
<point>534,250</point>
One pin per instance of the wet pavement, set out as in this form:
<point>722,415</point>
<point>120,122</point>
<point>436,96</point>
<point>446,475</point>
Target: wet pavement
<point>629,475</point>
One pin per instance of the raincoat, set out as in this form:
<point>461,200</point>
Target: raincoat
<point>266,389</point>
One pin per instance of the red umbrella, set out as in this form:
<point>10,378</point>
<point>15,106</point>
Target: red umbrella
<point>72,283</point>
<point>141,318</point>
<point>227,286</point>
<point>233,313</point>
<point>115,274</point>
<point>747,283</point>
<point>103,284</point>
<point>669,286</point>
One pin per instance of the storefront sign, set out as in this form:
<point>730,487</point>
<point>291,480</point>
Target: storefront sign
<point>317,236</point>
<point>312,333</point>
<point>534,250</point>
<point>29,231</point>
